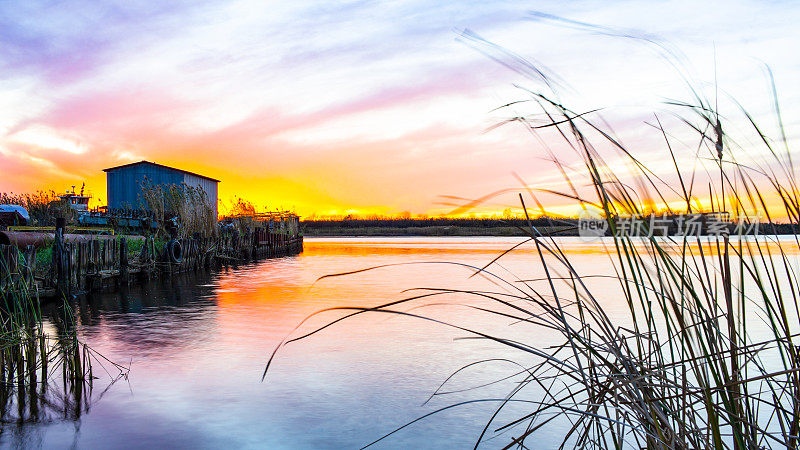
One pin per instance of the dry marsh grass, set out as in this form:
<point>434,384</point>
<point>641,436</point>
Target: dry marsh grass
<point>46,373</point>
<point>189,204</point>
<point>42,206</point>
<point>705,354</point>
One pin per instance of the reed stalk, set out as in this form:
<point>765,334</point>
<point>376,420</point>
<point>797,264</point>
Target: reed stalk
<point>706,354</point>
<point>42,206</point>
<point>190,205</point>
<point>33,359</point>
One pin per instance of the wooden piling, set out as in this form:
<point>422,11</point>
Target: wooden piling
<point>94,264</point>
<point>58,256</point>
<point>123,260</point>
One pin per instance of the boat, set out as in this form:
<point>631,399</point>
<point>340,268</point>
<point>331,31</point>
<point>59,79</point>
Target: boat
<point>77,202</point>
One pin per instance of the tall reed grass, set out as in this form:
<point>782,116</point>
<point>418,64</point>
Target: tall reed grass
<point>706,352</point>
<point>189,204</point>
<point>46,373</point>
<point>42,206</point>
<point>242,215</point>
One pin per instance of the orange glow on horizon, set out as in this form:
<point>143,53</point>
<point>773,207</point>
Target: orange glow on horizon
<point>324,117</point>
<point>278,193</point>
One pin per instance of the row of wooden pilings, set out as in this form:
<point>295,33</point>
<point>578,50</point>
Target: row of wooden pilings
<point>260,242</point>
<point>92,265</point>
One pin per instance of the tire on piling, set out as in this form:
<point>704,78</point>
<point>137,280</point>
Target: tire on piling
<point>174,251</point>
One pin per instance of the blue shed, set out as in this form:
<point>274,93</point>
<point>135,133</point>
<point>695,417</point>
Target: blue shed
<point>124,183</point>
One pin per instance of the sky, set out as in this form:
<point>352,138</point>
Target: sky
<point>358,107</point>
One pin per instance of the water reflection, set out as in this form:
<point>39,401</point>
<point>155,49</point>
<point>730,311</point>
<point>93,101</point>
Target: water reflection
<point>53,383</point>
<point>155,318</point>
<point>197,345</point>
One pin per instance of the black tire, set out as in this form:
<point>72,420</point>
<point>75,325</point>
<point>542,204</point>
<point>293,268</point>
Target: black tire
<point>174,251</point>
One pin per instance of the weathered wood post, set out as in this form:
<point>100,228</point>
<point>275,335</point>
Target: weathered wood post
<point>92,266</point>
<point>79,266</point>
<point>58,258</point>
<point>152,254</point>
<point>30,266</point>
<point>123,260</point>
<point>144,253</point>
<point>69,254</point>
<point>144,258</point>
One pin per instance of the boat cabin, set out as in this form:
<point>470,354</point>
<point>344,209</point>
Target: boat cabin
<point>79,203</point>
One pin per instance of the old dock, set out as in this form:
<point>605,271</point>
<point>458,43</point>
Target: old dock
<point>64,267</point>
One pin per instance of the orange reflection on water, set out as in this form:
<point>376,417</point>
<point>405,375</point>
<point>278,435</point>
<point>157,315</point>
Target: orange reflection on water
<point>492,246</point>
<point>198,350</point>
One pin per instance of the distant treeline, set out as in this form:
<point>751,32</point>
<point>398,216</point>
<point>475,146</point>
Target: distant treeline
<point>434,222</point>
<point>438,226</point>
<point>445,226</point>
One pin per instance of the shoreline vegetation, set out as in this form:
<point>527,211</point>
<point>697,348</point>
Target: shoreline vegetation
<point>47,373</point>
<point>476,227</point>
<point>424,227</point>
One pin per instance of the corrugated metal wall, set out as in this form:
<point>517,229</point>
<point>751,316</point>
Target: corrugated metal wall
<point>207,185</point>
<point>124,184</point>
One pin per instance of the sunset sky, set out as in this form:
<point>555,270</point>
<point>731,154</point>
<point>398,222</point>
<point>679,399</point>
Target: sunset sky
<point>362,107</point>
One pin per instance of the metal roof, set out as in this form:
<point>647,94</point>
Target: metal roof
<point>17,209</point>
<point>159,165</point>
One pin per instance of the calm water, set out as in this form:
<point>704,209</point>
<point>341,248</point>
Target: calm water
<point>197,347</point>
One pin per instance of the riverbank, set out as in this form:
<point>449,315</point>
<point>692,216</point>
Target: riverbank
<point>95,264</point>
<point>432,231</point>
<point>434,227</point>
<point>499,228</point>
